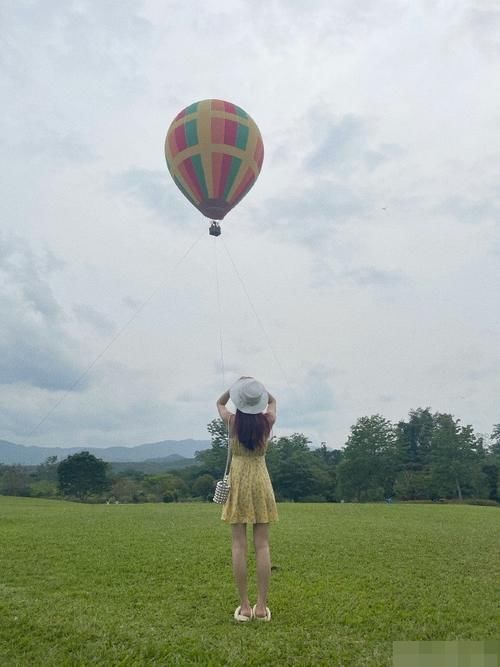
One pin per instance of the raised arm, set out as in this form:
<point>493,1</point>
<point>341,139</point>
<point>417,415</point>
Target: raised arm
<point>271,409</point>
<point>224,413</point>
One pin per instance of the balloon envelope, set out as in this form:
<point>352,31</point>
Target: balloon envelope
<point>214,153</point>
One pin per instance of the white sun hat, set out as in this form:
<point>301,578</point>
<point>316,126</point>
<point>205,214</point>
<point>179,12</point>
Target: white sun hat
<point>249,395</point>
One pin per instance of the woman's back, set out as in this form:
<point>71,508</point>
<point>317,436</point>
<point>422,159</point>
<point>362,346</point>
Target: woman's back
<point>237,449</point>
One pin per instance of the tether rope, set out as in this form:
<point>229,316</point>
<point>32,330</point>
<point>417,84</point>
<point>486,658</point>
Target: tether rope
<point>257,317</point>
<point>220,316</point>
<point>114,338</point>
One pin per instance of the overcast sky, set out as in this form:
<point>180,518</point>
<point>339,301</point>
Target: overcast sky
<point>369,248</point>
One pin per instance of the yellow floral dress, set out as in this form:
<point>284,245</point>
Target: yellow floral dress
<point>251,496</point>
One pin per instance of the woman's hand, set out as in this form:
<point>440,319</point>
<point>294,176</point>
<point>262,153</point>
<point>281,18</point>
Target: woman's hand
<point>271,408</point>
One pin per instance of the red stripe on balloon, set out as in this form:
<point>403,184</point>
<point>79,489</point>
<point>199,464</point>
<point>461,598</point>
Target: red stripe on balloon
<point>180,138</point>
<point>225,168</point>
<point>243,188</point>
<point>188,172</point>
<point>217,130</point>
<point>230,131</point>
<point>194,178</point>
<point>230,108</point>
<point>216,174</point>
<point>217,105</point>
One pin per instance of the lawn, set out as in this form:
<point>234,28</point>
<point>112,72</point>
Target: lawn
<point>152,584</point>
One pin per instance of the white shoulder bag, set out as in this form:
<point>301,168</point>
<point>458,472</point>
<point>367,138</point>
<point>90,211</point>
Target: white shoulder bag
<point>222,488</point>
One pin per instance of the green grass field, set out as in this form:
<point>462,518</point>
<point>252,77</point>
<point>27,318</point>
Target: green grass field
<point>152,584</point>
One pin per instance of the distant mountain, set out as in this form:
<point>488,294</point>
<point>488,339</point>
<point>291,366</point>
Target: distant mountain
<point>11,453</point>
<point>153,466</point>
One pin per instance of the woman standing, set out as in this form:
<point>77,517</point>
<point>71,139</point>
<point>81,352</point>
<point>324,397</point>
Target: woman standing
<point>251,497</point>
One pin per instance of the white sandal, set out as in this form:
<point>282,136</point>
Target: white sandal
<point>241,617</point>
<point>267,617</point>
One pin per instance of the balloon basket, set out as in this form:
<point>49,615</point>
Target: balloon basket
<point>214,229</point>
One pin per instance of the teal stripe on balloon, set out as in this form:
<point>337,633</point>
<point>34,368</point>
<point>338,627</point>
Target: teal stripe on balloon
<point>191,108</point>
<point>200,174</point>
<point>240,112</point>
<point>242,136</point>
<point>235,167</point>
<point>191,130</point>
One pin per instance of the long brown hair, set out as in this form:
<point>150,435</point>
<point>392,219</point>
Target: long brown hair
<point>251,430</point>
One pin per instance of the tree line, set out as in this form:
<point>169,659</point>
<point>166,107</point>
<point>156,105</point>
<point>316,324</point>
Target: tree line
<point>427,457</point>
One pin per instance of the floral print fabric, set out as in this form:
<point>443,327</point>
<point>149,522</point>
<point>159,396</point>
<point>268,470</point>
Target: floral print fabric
<point>251,496</point>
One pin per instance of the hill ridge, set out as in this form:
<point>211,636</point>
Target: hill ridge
<point>12,453</point>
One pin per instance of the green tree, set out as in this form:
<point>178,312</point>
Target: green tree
<point>48,469</point>
<point>213,461</point>
<point>495,441</point>
<point>413,446</point>
<point>454,453</point>
<point>15,481</point>
<point>325,462</point>
<point>291,467</point>
<point>369,464</point>
<point>413,439</point>
<point>127,489</point>
<point>217,429</point>
<point>43,488</point>
<point>82,474</point>
<point>165,487</point>
<point>491,472</point>
<point>203,486</point>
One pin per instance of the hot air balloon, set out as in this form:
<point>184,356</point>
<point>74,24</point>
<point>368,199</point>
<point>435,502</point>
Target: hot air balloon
<point>214,153</point>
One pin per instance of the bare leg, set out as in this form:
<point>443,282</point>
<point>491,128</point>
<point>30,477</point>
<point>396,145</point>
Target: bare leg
<point>240,565</point>
<point>263,565</point>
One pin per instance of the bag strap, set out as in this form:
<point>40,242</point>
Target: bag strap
<point>228,460</point>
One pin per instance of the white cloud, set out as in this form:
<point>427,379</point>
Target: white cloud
<point>148,188</point>
<point>98,321</point>
<point>35,347</point>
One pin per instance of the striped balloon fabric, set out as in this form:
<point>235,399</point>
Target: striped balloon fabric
<point>214,153</point>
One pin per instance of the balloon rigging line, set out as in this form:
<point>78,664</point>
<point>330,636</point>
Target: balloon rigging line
<point>220,316</point>
<point>113,340</point>
<point>257,316</point>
